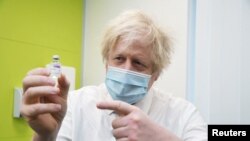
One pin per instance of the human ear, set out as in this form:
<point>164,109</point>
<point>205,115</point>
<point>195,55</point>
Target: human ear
<point>106,66</point>
<point>156,75</point>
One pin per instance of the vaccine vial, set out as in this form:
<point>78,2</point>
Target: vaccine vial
<point>55,68</point>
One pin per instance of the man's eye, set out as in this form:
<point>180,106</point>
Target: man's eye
<point>118,58</point>
<point>139,63</point>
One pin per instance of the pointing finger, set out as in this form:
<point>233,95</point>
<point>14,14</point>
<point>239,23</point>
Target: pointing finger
<point>118,106</point>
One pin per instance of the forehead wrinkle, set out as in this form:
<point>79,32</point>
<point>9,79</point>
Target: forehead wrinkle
<point>131,51</point>
<point>138,47</point>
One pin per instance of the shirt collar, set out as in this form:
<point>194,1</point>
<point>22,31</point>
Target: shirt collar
<point>146,102</point>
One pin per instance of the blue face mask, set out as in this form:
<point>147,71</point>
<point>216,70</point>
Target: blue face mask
<point>125,85</point>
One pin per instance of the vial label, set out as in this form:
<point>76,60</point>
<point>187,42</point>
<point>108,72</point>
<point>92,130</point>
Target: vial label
<point>55,68</point>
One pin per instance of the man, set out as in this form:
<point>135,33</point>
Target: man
<point>127,107</point>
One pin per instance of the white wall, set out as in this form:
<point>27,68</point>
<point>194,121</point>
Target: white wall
<point>170,14</point>
<point>222,54</point>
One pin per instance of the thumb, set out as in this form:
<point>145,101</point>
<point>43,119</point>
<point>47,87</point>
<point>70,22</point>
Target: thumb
<point>63,85</point>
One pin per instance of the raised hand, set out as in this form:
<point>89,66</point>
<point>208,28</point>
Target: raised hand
<point>44,105</point>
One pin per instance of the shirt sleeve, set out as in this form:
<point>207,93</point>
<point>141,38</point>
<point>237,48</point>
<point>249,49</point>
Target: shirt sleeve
<point>65,132</point>
<point>195,128</point>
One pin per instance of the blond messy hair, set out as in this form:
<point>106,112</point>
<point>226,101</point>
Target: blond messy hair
<point>133,25</point>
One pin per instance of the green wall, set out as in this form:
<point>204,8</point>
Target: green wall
<point>31,31</point>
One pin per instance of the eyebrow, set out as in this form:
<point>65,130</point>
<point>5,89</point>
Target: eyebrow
<point>137,56</point>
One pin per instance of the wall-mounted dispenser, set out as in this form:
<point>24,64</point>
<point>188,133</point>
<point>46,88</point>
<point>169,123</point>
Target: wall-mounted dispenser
<point>18,93</point>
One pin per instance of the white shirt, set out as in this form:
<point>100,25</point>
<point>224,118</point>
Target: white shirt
<point>85,122</point>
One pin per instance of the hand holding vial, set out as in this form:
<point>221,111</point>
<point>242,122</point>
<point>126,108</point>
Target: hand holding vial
<point>45,100</point>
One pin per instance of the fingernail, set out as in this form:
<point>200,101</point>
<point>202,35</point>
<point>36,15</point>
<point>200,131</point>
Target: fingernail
<point>51,81</point>
<point>47,71</point>
<point>55,90</point>
<point>98,104</point>
<point>58,107</point>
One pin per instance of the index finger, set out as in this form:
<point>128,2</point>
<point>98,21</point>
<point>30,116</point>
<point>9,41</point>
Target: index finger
<point>39,71</point>
<point>118,106</point>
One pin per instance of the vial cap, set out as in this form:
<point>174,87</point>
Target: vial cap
<point>56,57</point>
